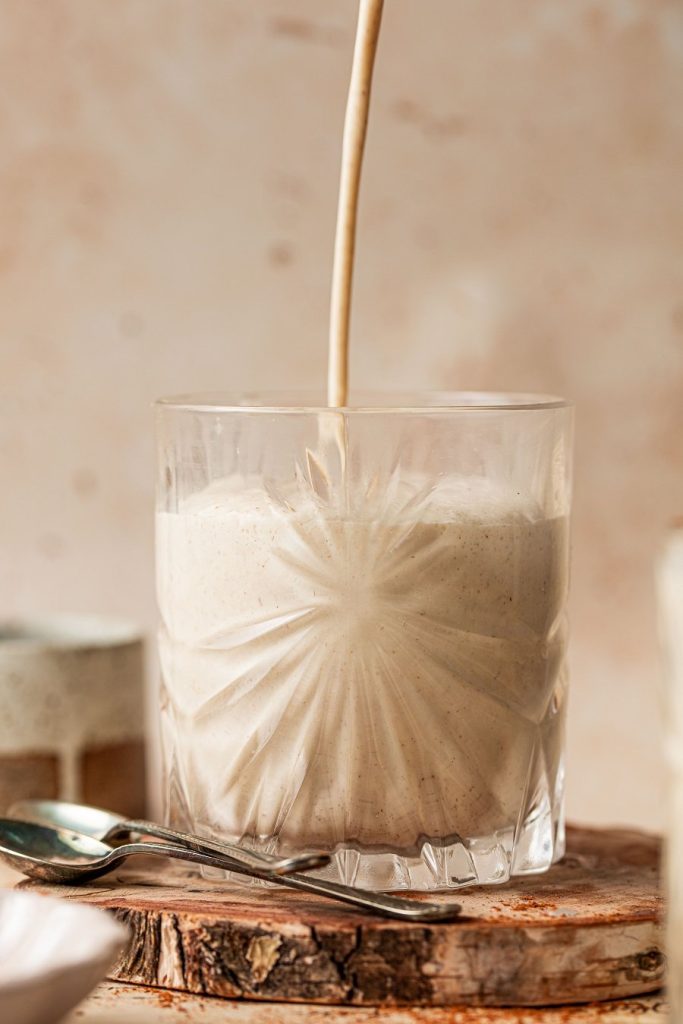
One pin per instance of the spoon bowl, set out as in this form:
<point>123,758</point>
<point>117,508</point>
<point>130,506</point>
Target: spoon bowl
<point>60,814</point>
<point>108,827</point>
<point>63,855</point>
<point>48,853</point>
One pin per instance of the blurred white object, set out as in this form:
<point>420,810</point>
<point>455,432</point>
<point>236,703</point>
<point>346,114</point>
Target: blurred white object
<point>670,599</point>
<point>52,954</point>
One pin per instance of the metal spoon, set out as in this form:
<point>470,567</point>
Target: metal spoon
<point>105,825</point>
<point>60,855</point>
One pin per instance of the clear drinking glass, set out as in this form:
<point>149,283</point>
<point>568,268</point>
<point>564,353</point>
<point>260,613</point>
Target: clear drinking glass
<point>670,602</point>
<point>363,629</point>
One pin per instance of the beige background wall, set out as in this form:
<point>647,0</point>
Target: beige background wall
<point>168,172</point>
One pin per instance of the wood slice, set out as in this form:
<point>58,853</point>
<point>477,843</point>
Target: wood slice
<point>589,929</point>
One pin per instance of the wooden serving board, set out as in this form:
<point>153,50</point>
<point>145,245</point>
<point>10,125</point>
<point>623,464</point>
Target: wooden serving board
<point>587,930</point>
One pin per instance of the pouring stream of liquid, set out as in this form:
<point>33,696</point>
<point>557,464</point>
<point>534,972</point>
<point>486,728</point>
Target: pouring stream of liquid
<point>355,129</point>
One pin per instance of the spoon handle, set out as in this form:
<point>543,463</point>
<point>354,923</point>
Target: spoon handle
<point>379,903</point>
<point>239,854</point>
<point>177,852</point>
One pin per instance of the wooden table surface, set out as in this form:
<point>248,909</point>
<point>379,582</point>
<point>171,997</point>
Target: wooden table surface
<point>114,1003</point>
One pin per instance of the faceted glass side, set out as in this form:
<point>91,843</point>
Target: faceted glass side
<point>530,847</point>
<point>366,655</point>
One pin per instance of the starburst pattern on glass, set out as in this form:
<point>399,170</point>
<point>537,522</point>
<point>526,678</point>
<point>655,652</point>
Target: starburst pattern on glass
<point>380,675</point>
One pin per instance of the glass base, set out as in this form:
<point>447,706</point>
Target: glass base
<point>485,860</point>
<point>530,844</point>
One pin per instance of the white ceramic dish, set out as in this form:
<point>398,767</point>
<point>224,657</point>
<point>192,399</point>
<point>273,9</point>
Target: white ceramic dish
<point>52,953</point>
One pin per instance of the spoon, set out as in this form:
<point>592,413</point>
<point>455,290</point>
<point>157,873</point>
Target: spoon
<point>105,826</point>
<point>61,855</point>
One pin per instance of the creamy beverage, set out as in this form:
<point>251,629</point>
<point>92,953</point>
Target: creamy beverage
<point>373,678</point>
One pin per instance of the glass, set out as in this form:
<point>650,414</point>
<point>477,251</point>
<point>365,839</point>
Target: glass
<point>670,602</point>
<point>363,629</point>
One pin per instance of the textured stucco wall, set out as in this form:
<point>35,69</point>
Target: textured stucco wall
<point>168,171</point>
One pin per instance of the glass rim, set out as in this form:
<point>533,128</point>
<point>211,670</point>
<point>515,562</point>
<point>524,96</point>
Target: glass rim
<point>383,402</point>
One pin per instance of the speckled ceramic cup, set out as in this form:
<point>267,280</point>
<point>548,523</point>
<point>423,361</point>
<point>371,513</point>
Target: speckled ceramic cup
<point>72,712</point>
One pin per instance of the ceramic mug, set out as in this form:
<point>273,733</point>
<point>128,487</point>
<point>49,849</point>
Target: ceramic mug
<point>72,712</point>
